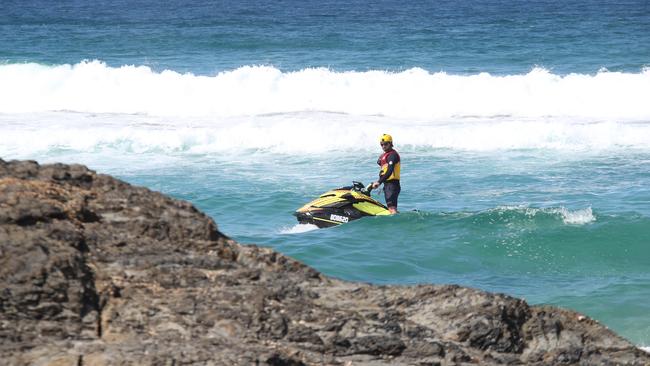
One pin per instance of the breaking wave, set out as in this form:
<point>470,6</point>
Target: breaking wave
<point>94,87</point>
<point>523,215</point>
<point>92,107</point>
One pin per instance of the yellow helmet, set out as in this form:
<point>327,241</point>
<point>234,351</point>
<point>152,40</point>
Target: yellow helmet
<point>386,138</point>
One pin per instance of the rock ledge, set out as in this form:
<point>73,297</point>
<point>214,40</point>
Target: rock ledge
<point>94,271</point>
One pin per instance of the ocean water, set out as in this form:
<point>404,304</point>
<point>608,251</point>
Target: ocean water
<point>524,130</point>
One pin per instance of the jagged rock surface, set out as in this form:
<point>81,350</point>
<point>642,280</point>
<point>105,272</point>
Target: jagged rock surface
<point>94,271</point>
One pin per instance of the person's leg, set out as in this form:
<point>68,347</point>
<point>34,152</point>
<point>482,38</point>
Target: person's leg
<point>391,192</point>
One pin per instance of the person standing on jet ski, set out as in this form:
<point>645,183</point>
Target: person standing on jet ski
<point>389,163</point>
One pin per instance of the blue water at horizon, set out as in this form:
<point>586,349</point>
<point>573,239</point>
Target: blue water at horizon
<point>500,37</point>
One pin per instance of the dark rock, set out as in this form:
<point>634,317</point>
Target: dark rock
<point>95,271</point>
<point>303,334</point>
<point>379,345</point>
<point>279,360</point>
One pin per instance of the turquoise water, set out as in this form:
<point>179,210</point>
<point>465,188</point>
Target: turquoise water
<point>524,130</point>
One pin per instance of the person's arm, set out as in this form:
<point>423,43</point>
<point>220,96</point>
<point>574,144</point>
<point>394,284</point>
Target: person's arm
<point>391,168</point>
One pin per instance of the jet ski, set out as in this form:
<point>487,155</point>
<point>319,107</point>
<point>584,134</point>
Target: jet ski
<point>341,205</point>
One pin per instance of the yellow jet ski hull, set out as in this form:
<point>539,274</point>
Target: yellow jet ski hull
<point>340,206</point>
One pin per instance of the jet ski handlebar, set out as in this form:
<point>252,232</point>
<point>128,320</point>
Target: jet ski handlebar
<point>359,187</point>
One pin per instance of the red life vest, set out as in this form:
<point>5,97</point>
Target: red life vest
<point>383,163</point>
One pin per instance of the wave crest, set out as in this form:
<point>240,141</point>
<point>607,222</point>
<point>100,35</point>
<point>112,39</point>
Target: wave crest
<point>94,87</point>
<point>516,215</point>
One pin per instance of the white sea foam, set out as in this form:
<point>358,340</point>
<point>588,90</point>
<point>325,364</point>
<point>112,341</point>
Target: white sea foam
<point>28,134</point>
<point>577,217</point>
<point>298,229</point>
<point>95,87</point>
<point>91,107</point>
<point>570,217</point>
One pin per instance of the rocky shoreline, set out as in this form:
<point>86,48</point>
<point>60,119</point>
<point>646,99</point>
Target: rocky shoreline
<point>95,271</point>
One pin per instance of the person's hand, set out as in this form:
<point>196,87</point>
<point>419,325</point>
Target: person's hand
<point>375,185</point>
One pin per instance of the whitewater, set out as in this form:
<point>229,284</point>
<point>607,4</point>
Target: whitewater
<point>260,107</point>
<point>93,87</point>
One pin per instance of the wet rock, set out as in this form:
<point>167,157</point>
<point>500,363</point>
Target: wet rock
<point>95,271</point>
